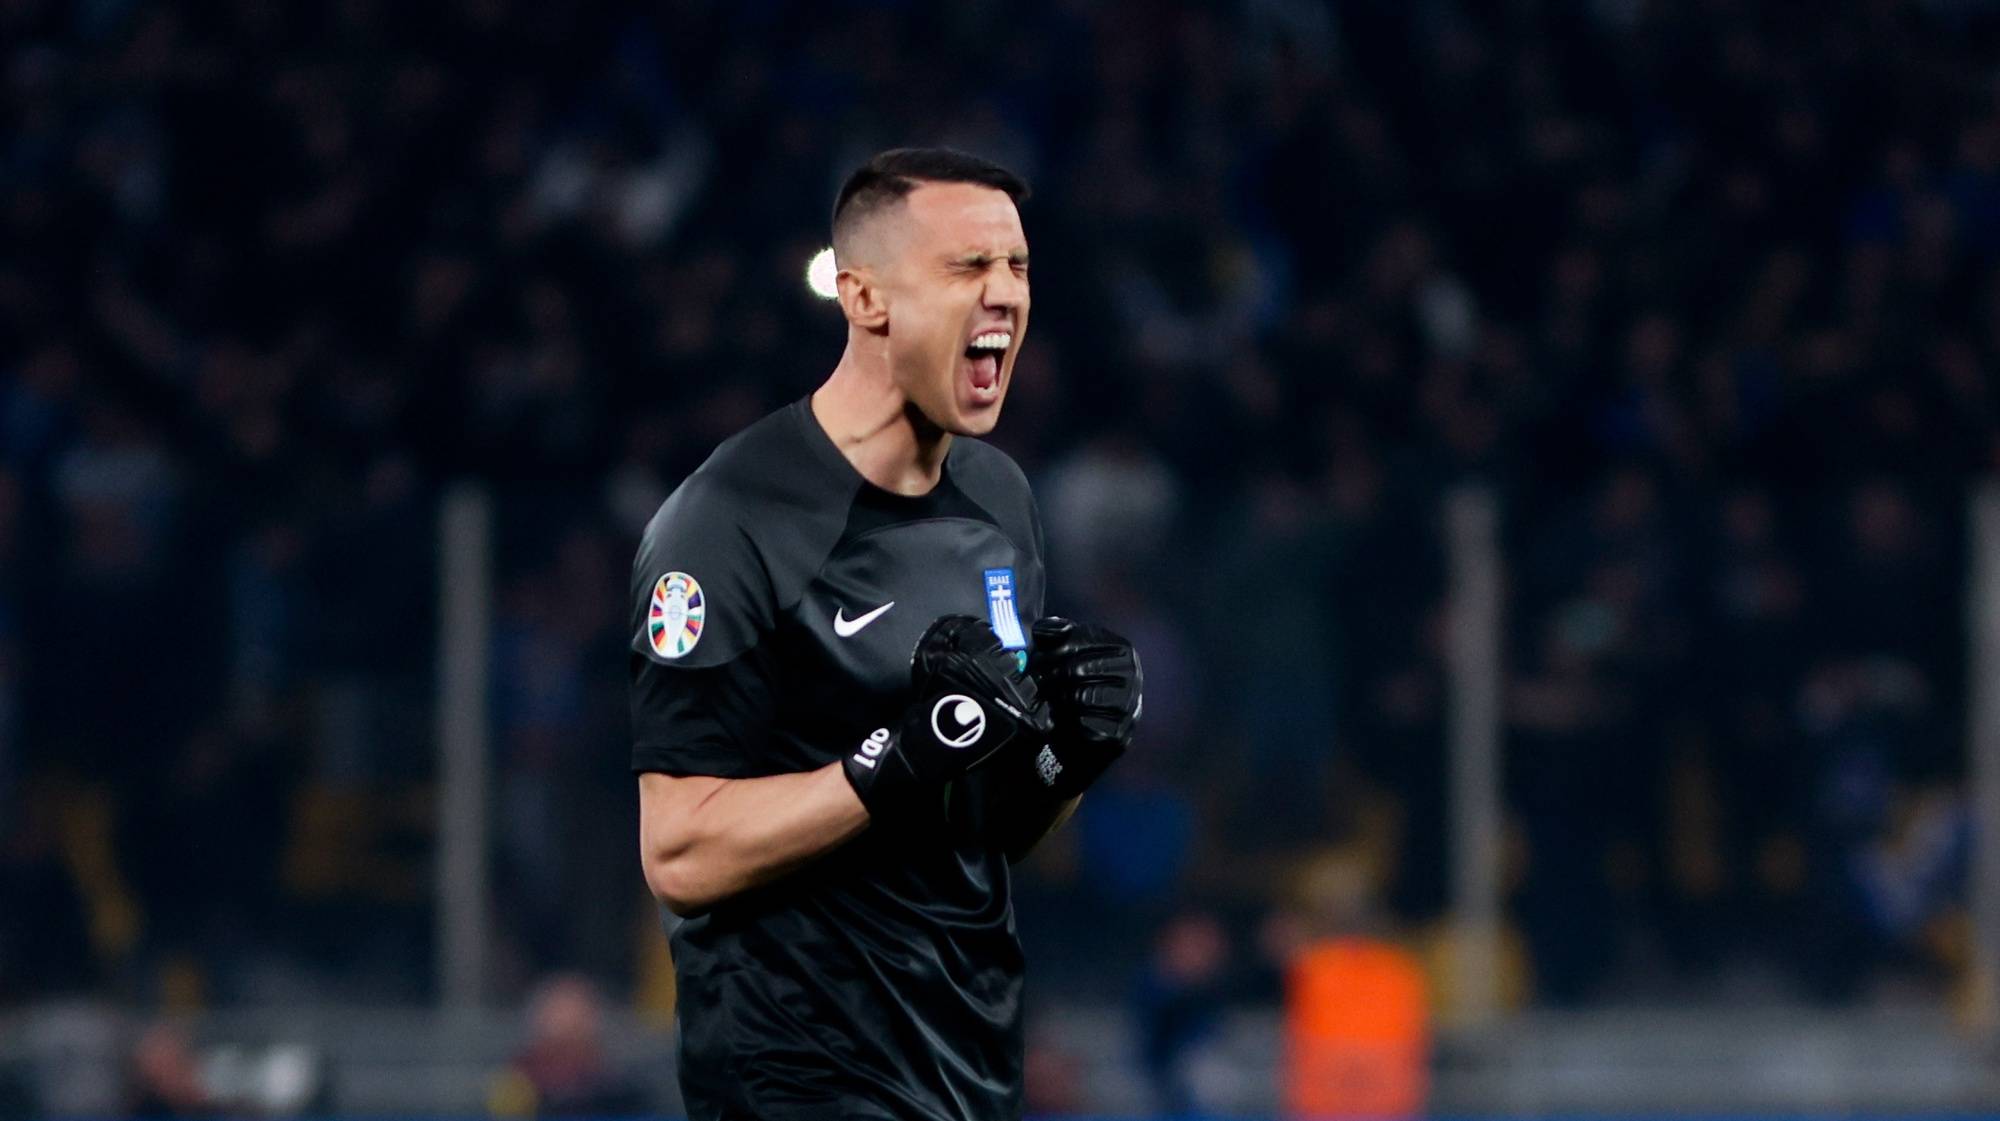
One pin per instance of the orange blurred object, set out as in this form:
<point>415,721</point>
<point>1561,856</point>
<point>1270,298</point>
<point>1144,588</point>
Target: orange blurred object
<point>1357,1031</point>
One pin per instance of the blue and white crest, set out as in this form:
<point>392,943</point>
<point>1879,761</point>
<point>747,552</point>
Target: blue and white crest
<point>1001,610</point>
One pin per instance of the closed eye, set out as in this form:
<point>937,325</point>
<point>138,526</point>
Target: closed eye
<point>979,263</point>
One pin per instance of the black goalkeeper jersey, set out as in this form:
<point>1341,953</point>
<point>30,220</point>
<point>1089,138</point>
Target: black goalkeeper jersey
<point>777,597</point>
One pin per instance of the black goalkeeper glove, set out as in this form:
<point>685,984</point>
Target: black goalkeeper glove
<point>1091,678</point>
<point>1091,681</point>
<point>972,701</point>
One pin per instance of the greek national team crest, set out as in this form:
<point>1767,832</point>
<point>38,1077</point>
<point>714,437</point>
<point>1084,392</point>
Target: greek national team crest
<point>673,622</point>
<point>1000,607</point>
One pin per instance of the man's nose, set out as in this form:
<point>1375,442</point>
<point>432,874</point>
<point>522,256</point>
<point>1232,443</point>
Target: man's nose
<point>1005,288</point>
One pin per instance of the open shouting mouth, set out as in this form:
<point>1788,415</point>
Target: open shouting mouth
<point>985,355</point>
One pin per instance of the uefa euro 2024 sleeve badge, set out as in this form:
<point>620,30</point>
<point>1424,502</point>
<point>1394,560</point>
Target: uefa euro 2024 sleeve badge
<point>673,622</point>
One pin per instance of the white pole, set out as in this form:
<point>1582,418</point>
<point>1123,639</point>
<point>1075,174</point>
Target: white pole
<point>1983,750</point>
<point>1473,718</point>
<point>465,563</point>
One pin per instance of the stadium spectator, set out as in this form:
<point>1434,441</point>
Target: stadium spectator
<point>165,1079</point>
<point>563,1070</point>
<point>1177,1004</point>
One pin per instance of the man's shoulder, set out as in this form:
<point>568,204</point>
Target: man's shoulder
<point>752,480</point>
<point>762,501</point>
<point>983,470</point>
<point>768,461</point>
<point>991,478</point>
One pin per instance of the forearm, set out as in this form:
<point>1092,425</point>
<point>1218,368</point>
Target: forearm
<point>706,840</point>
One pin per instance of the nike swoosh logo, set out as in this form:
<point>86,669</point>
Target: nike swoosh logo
<point>846,628</point>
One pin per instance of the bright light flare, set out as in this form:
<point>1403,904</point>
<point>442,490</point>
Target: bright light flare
<point>820,273</point>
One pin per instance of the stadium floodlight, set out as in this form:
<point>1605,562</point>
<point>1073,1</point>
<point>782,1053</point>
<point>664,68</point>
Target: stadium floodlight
<point>820,272</point>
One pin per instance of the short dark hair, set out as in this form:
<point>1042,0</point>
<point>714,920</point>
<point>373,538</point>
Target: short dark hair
<point>893,174</point>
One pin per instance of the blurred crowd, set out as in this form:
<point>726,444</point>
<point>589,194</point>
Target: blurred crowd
<point>1706,293</point>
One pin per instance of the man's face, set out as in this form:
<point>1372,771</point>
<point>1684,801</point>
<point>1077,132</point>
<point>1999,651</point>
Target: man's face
<point>956,282</point>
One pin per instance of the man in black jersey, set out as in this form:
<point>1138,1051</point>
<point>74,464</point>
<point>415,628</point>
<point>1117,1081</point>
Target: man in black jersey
<point>848,716</point>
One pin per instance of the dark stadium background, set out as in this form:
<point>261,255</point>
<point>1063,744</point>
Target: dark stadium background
<point>1699,300</point>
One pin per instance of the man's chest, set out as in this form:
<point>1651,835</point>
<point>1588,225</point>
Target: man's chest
<point>847,641</point>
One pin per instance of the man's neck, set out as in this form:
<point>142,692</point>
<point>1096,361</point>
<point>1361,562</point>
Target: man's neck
<point>877,430</point>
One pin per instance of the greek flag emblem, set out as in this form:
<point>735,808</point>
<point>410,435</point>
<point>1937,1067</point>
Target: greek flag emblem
<point>1000,608</point>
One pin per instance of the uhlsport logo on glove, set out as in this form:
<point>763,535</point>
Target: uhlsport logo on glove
<point>958,720</point>
<point>872,748</point>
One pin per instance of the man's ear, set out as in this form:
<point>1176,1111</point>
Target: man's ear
<point>861,298</point>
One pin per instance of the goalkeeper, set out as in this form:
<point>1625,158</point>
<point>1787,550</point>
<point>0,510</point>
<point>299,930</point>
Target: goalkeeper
<point>847,715</point>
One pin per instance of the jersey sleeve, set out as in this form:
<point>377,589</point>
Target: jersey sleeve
<point>702,607</point>
<point>701,595</point>
<point>700,721</point>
